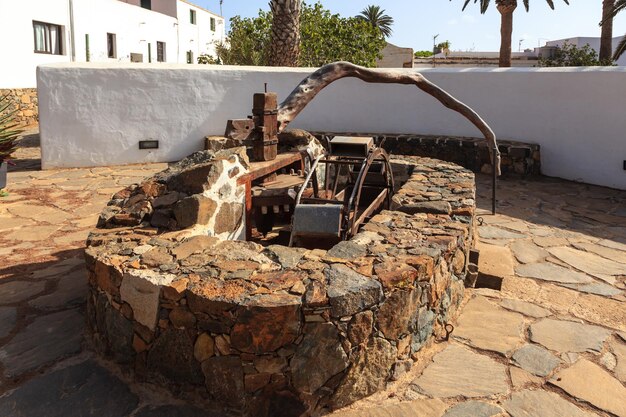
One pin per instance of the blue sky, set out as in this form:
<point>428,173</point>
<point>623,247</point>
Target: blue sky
<point>417,21</point>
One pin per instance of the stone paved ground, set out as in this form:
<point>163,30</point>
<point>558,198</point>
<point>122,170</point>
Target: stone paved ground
<point>551,343</point>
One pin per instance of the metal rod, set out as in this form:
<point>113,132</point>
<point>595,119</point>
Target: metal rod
<point>494,181</point>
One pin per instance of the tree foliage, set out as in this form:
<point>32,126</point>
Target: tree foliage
<point>569,55</point>
<point>423,54</point>
<point>328,37</point>
<point>324,38</point>
<point>247,41</point>
<point>376,17</point>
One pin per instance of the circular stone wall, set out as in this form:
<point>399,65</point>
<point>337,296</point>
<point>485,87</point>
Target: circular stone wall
<point>259,329</point>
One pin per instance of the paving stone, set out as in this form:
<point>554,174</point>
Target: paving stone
<point>58,269</point>
<point>527,252</point>
<point>496,261</point>
<point>617,255</point>
<point>612,244</point>
<point>619,350</point>
<point>549,241</point>
<point>40,213</point>
<point>590,263</point>
<point>608,360</point>
<point>7,223</point>
<point>474,409</point>
<point>542,404</point>
<point>8,318</point>
<point>17,291</point>
<point>527,309</point>
<point>416,408</point>
<point>589,382</point>
<point>492,232</point>
<point>85,389</point>
<point>71,290</point>
<point>457,371</point>
<point>597,288</point>
<point>486,326</point>
<point>48,338</point>
<point>568,336</point>
<point>547,271</point>
<point>521,379</point>
<point>32,233</point>
<point>176,411</point>
<point>535,359</point>
<point>600,310</point>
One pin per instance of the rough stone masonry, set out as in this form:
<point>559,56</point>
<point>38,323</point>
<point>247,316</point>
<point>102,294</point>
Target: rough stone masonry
<point>175,298</point>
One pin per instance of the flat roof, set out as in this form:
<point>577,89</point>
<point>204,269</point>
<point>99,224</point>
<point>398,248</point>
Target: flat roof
<point>201,8</point>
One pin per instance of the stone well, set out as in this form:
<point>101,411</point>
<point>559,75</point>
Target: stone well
<point>267,331</point>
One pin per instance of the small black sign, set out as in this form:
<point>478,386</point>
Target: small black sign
<point>148,144</point>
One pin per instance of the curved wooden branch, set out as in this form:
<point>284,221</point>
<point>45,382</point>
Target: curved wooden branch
<point>316,82</point>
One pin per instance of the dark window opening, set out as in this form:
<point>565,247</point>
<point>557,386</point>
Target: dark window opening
<point>190,57</point>
<point>111,45</point>
<point>192,17</point>
<point>48,38</point>
<point>213,24</point>
<point>160,51</point>
<point>146,4</point>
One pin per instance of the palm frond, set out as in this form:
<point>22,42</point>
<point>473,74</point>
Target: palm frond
<point>527,4</point>
<point>376,16</point>
<point>620,49</point>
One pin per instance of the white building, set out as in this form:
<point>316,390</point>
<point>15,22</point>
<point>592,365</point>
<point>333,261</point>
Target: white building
<point>593,42</point>
<point>34,32</point>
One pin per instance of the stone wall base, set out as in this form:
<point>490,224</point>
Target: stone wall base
<point>518,158</point>
<point>25,100</point>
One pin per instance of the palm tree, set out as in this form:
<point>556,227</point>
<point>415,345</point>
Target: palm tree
<point>617,7</point>
<point>506,9</point>
<point>377,18</point>
<point>606,34</point>
<point>284,47</point>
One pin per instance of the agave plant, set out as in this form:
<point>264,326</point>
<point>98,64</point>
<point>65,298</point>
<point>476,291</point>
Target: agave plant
<point>9,131</point>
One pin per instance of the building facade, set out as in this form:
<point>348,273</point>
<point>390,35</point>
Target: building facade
<point>34,32</point>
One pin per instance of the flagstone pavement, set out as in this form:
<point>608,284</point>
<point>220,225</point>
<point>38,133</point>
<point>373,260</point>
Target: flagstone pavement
<point>550,343</point>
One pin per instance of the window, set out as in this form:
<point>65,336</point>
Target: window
<point>192,17</point>
<point>48,38</point>
<point>160,51</point>
<point>190,57</point>
<point>213,24</point>
<point>111,45</point>
<point>146,4</point>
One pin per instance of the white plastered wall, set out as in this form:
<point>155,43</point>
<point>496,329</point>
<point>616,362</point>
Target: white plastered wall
<point>95,114</point>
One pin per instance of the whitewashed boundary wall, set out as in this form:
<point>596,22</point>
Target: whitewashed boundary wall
<point>95,114</point>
